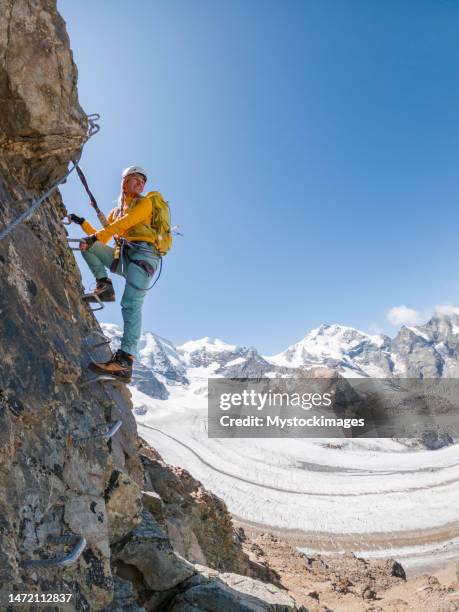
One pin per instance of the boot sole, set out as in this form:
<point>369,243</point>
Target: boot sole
<point>94,368</point>
<point>102,299</point>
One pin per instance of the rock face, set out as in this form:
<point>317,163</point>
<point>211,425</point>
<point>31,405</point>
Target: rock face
<point>40,117</point>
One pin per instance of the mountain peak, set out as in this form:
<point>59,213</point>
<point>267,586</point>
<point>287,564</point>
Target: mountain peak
<point>211,345</point>
<point>445,312</point>
<point>328,344</point>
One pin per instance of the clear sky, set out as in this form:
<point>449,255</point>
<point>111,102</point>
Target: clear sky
<point>308,149</point>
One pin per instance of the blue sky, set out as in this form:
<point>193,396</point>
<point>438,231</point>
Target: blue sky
<point>308,150</point>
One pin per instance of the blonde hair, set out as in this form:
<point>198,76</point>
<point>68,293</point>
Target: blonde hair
<point>120,199</point>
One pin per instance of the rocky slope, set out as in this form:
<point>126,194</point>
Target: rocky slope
<point>345,583</point>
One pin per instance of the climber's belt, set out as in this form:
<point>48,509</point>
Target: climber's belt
<point>129,251</point>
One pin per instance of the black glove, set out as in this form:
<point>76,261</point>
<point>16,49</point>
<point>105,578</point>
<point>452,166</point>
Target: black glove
<point>89,240</point>
<point>76,219</point>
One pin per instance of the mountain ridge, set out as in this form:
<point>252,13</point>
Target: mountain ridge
<point>430,350</point>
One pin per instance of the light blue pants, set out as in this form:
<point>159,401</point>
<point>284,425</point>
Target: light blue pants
<point>100,257</point>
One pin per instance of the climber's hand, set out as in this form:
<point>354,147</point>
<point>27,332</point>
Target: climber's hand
<point>86,243</point>
<point>76,219</point>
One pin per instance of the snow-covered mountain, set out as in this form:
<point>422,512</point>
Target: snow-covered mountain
<point>424,351</point>
<point>348,350</point>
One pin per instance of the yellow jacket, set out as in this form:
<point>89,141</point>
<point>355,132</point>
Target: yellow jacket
<point>134,225</point>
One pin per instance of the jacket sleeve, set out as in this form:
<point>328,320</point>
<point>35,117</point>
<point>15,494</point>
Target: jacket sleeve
<point>141,212</point>
<point>87,228</point>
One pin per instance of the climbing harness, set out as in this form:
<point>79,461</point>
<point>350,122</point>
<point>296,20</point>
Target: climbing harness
<point>123,251</point>
<point>102,431</point>
<point>93,129</point>
<point>78,542</point>
<point>125,246</point>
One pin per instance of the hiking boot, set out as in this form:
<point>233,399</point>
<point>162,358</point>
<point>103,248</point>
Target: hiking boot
<point>119,366</point>
<point>104,291</point>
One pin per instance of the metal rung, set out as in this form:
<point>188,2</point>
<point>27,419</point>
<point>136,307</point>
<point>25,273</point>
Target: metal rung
<point>102,378</point>
<point>92,347</point>
<point>94,295</point>
<point>112,426</point>
<point>95,332</point>
<point>72,240</point>
<point>99,344</point>
<point>60,561</point>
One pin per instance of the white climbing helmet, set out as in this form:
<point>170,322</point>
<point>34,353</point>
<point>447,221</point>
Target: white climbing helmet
<point>134,170</point>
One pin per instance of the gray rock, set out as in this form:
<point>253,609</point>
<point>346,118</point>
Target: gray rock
<point>228,592</point>
<point>154,504</point>
<point>124,599</point>
<point>123,499</point>
<point>86,516</point>
<point>434,440</point>
<point>148,549</point>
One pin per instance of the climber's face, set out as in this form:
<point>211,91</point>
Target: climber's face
<point>133,184</point>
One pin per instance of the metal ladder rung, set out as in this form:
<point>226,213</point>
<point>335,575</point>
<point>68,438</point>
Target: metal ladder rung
<point>102,379</point>
<point>113,428</point>
<point>59,561</point>
<point>72,239</point>
<point>97,299</point>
